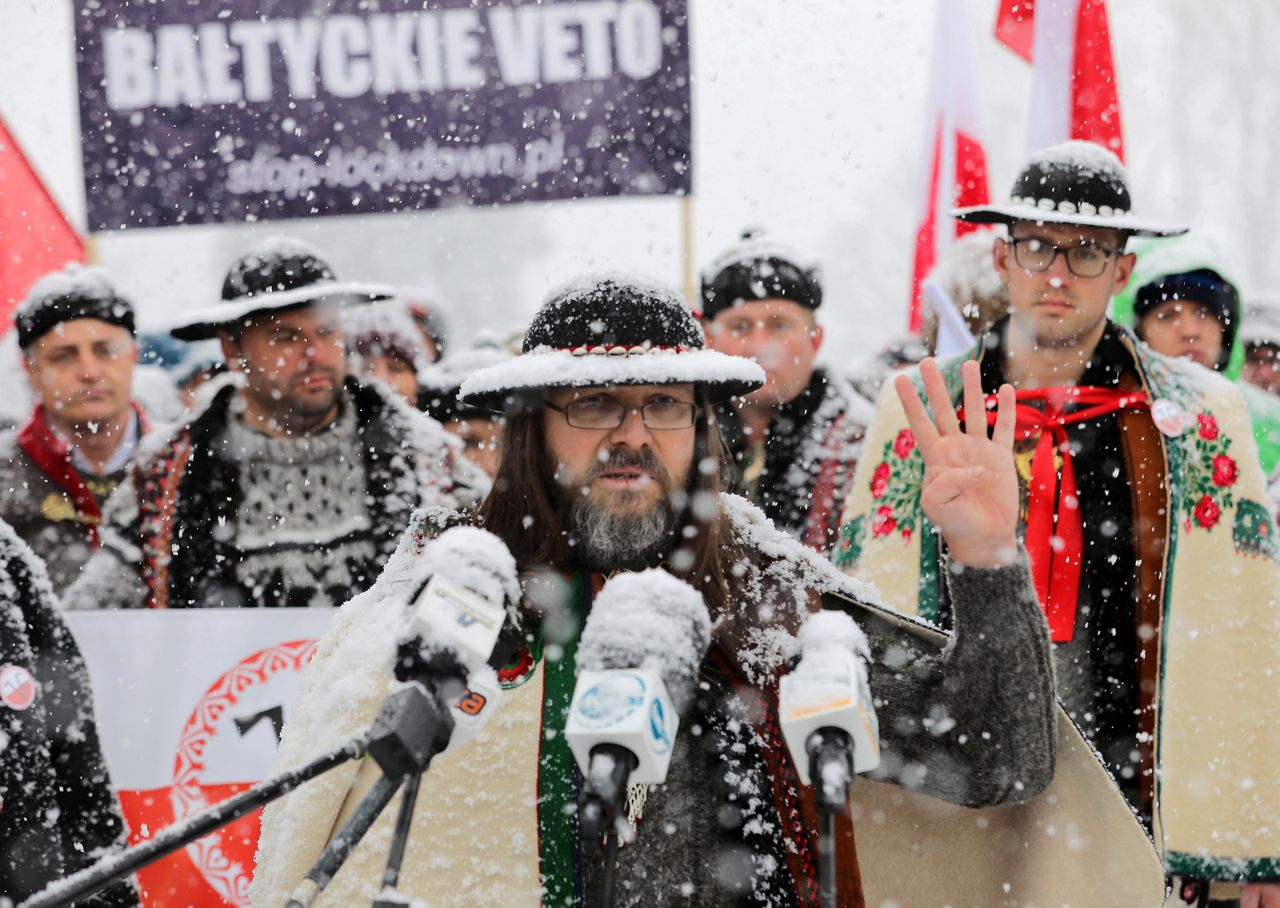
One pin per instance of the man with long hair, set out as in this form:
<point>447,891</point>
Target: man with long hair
<point>611,461</point>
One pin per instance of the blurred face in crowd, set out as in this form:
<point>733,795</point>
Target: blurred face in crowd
<point>1262,366</point>
<point>396,371</point>
<point>1183,328</point>
<point>1058,307</point>
<point>480,438</point>
<point>782,336</point>
<point>82,372</point>
<point>618,484</point>
<point>294,363</point>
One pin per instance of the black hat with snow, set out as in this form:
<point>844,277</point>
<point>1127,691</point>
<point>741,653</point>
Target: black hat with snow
<point>611,330</point>
<point>1204,286</point>
<point>72,293</point>
<point>756,269</point>
<point>274,276</point>
<point>1072,182</point>
<point>438,384</point>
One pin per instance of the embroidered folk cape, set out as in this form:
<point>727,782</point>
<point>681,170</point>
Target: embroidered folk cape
<point>1209,586</point>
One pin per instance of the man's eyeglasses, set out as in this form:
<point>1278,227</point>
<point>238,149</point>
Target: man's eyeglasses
<point>1035,254</point>
<point>661,413</point>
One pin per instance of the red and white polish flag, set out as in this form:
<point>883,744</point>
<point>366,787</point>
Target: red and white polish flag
<point>1073,89</point>
<point>35,235</point>
<point>955,161</point>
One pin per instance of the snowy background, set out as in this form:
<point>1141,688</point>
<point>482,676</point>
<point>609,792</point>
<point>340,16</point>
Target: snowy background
<point>808,120</point>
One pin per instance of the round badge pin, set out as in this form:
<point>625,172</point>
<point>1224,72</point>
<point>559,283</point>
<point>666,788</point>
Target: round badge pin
<point>1169,418</point>
<point>17,687</point>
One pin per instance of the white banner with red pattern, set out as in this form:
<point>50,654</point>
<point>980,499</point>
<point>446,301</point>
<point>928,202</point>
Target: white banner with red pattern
<point>190,704</point>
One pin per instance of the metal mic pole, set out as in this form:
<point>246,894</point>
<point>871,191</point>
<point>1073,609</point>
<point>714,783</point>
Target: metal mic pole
<point>395,855</point>
<point>610,867</point>
<point>831,771</point>
<point>117,866</point>
<point>344,842</point>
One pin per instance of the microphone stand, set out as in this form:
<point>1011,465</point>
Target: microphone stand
<point>117,866</point>
<point>411,728</point>
<point>604,791</point>
<point>831,770</point>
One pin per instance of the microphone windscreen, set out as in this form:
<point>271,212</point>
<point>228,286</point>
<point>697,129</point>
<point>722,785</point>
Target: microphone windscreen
<point>827,629</point>
<point>476,559</point>
<point>648,619</point>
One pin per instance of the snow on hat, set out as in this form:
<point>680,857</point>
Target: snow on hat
<point>74,292</point>
<point>275,275</point>
<point>440,381</point>
<point>611,330</point>
<point>1261,323</point>
<point>1070,183</point>
<point>385,329</point>
<point>758,269</point>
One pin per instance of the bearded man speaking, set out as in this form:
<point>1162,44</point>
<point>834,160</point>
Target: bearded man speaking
<point>611,461</point>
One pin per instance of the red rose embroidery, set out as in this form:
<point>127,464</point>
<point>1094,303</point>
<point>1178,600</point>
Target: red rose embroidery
<point>904,444</point>
<point>884,523</point>
<point>1208,426</point>
<point>880,480</point>
<point>1207,512</point>
<point>1224,470</point>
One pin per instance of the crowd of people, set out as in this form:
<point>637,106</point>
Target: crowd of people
<point>1076,483</point>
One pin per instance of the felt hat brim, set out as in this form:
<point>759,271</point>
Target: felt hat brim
<point>505,386</point>
<point>205,323</point>
<point>1009,213</point>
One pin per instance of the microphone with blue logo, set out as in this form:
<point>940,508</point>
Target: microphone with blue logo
<point>638,664</point>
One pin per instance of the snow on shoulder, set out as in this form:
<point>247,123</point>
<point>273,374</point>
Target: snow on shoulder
<point>789,554</point>
<point>653,617</point>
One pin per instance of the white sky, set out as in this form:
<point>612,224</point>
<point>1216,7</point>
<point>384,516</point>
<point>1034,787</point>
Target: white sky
<point>809,121</point>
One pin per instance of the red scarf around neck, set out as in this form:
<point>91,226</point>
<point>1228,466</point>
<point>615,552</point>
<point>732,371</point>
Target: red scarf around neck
<point>52,454</point>
<point>1056,553</point>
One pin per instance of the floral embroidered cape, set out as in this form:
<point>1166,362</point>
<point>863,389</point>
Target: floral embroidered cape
<point>1217,721</point>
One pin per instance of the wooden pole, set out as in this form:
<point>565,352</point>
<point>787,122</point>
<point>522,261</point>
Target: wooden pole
<point>686,251</point>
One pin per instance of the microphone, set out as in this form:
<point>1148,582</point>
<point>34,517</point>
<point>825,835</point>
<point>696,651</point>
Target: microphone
<point>638,663</point>
<point>461,626</point>
<point>825,708</point>
<point>462,622</point>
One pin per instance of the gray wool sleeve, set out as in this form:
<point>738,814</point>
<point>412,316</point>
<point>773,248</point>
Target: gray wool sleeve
<point>975,724</point>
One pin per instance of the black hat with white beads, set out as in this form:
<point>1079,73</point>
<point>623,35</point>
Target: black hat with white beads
<point>611,330</point>
<point>1071,183</point>
<point>277,275</point>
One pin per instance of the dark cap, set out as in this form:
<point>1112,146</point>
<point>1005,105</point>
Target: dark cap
<point>72,293</point>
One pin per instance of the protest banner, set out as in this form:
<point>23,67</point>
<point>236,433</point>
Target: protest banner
<point>270,109</point>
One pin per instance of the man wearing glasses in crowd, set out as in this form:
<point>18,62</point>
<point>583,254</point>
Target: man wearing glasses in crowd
<point>1141,489</point>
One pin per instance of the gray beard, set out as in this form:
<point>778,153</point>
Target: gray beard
<point>606,542</point>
